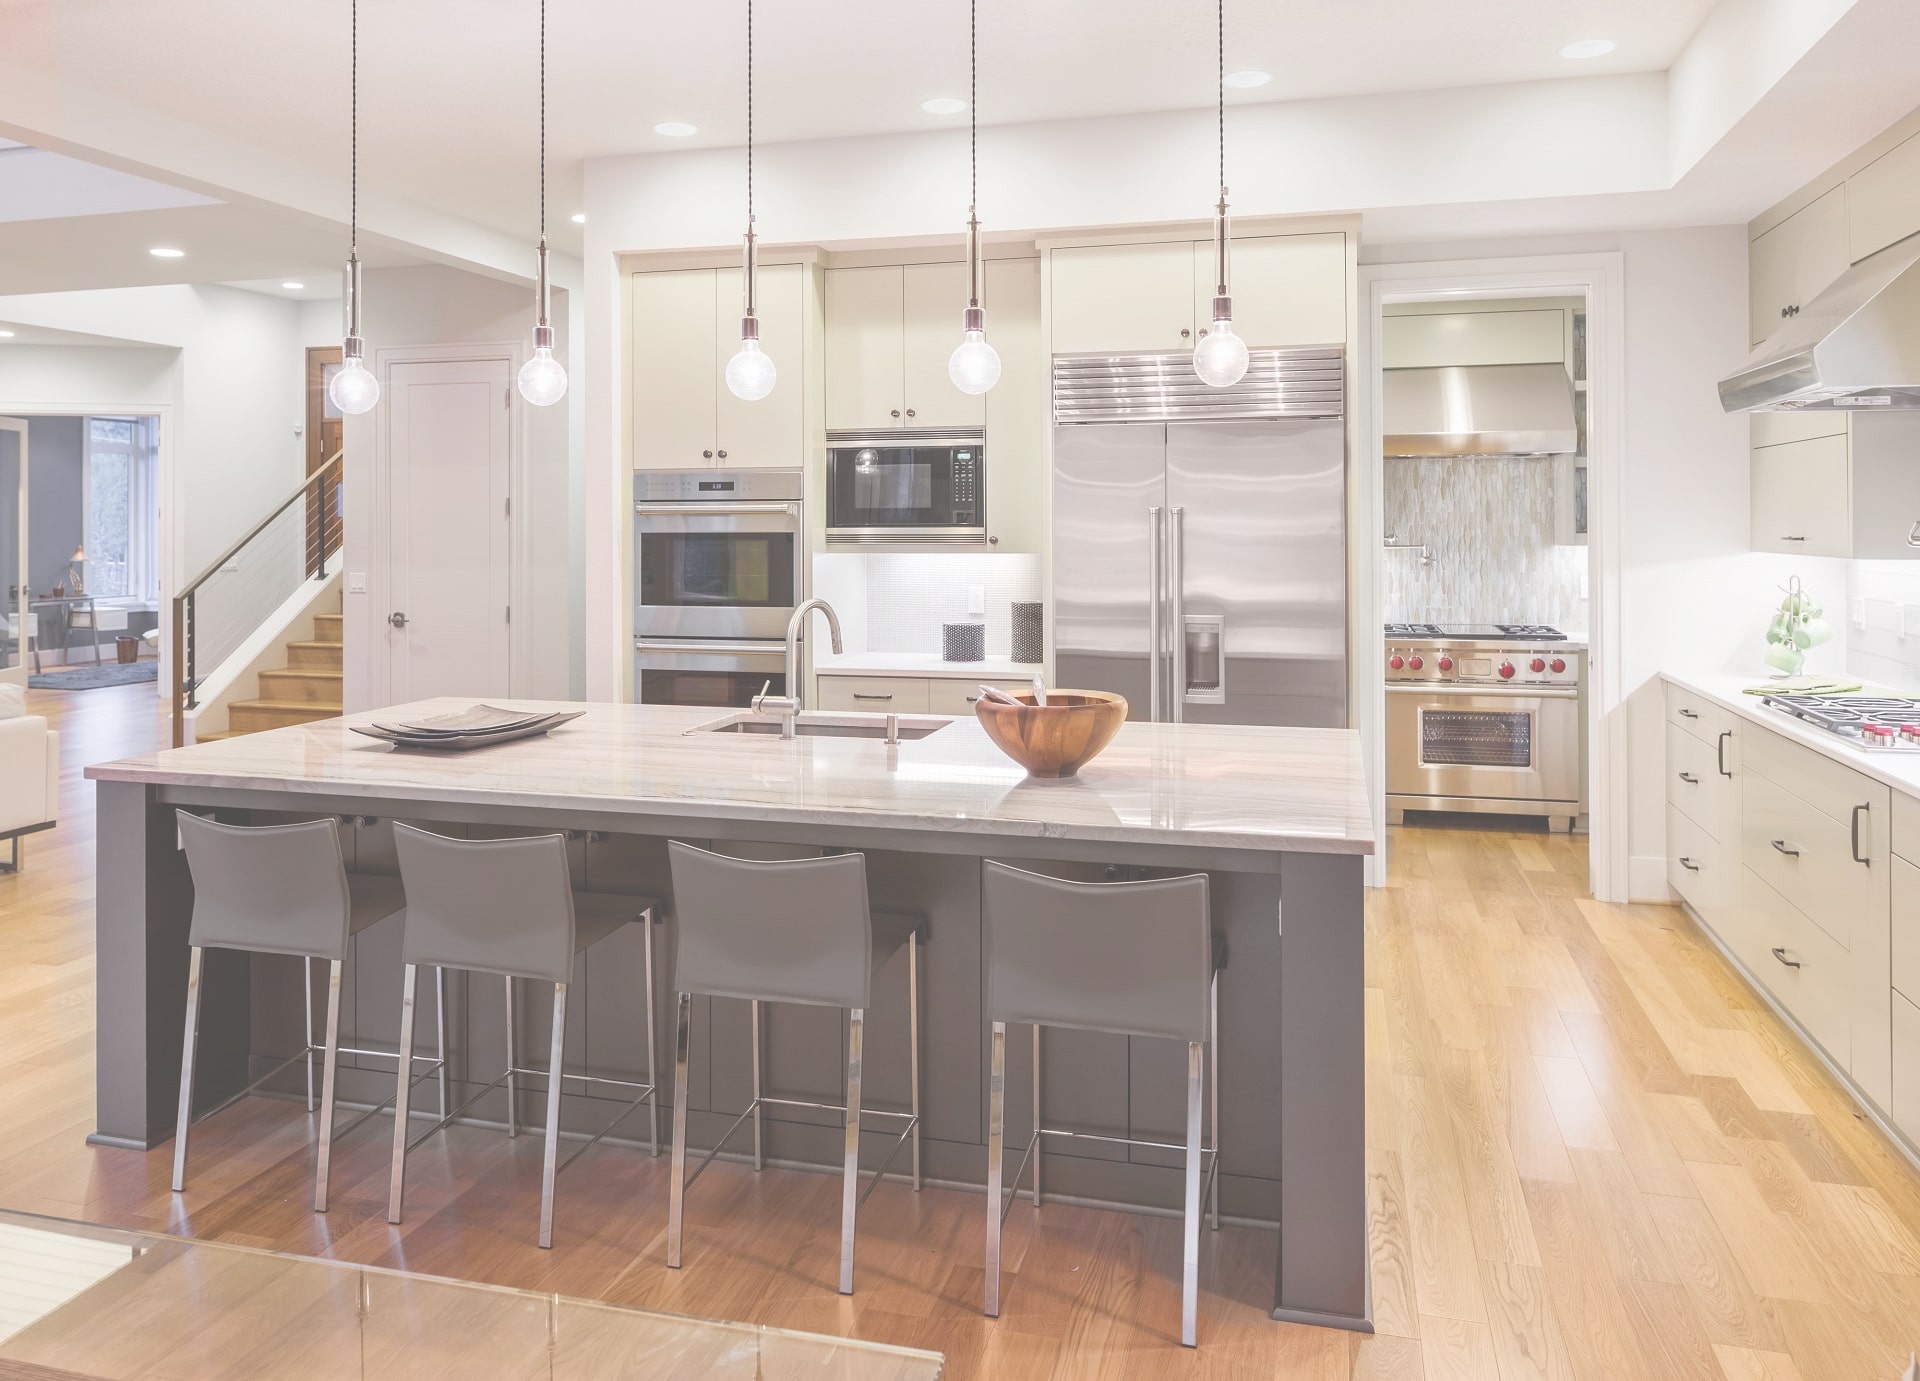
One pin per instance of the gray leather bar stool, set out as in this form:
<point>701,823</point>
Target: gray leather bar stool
<point>283,889</point>
<point>509,907</point>
<point>1125,958</point>
<point>788,930</point>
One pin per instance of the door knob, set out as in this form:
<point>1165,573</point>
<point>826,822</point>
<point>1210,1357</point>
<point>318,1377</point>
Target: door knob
<point>397,620</point>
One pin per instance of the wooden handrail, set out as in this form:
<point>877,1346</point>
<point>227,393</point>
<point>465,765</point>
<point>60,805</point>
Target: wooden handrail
<point>332,463</point>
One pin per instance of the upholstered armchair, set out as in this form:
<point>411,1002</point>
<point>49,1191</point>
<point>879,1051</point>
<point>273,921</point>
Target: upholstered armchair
<point>29,776</point>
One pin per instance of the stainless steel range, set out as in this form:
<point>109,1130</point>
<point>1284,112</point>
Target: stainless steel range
<point>1485,718</point>
<point>1882,723</point>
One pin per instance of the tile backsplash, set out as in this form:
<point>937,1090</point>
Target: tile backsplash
<point>897,602</point>
<point>1885,596</point>
<point>1481,550</point>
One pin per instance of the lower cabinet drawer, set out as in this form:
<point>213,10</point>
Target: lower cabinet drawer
<point>1798,962</point>
<point>1695,783</point>
<point>1906,1067</point>
<point>1906,928</point>
<point>1696,871</point>
<point>945,695</point>
<point>874,694</point>
<point>1805,854</point>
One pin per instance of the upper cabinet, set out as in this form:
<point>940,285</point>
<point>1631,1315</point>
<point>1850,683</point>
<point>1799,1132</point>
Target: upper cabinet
<point>1520,336</point>
<point>1112,299</point>
<point>1792,262</point>
<point>1883,200</point>
<point>1855,493</point>
<point>686,324</point>
<point>889,331</point>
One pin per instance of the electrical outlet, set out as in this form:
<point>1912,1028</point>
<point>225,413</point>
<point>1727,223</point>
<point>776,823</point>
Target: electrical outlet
<point>976,599</point>
<point>1910,620</point>
<point>1857,611</point>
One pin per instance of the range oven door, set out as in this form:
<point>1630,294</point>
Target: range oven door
<point>706,671</point>
<point>1483,745</point>
<point>715,570</point>
<point>920,486</point>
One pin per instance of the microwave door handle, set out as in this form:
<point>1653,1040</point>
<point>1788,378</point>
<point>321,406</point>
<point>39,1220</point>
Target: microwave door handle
<point>1155,583</point>
<point>1177,595</point>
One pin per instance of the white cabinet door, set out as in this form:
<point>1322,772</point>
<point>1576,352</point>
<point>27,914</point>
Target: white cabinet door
<point>1883,200</point>
<point>1287,289</point>
<point>935,297</point>
<point>1017,417</point>
<point>676,369</point>
<point>1108,298</point>
<point>1801,498</point>
<point>770,432</point>
<point>1427,340</point>
<point>1792,262</point>
<point>1778,428</point>
<point>865,311</point>
<point>1906,1067</point>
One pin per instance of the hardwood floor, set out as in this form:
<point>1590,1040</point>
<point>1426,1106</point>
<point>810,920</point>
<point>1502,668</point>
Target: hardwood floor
<point>1592,1154</point>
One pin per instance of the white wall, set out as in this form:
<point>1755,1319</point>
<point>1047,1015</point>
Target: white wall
<point>1691,595</point>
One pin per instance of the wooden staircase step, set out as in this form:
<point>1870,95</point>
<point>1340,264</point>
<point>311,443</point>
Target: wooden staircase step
<point>253,716</point>
<point>327,628</point>
<point>303,684</point>
<point>314,656</point>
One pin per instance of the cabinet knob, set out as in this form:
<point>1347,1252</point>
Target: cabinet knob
<point>993,541</point>
<point>895,413</point>
<point>723,455</point>
<point>910,412</point>
<point>1185,333</point>
<point>706,455</point>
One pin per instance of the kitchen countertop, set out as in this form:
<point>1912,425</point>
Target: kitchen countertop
<point>1898,770</point>
<point>924,664</point>
<point>1229,787</point>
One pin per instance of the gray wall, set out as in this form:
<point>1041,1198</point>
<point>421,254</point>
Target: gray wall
<point>56,512</point>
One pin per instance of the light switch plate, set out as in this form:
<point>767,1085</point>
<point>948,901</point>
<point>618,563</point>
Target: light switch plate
<point>976,599</point>
<point>1857,611</point>
<point>356,582</point>
<point>1910,620</point>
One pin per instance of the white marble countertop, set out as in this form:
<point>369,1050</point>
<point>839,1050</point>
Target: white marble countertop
<point>1898,770</point>
<point>923,664</point>
<point>1237,787</point>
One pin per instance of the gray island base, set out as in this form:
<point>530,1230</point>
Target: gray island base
<point>1277,816</point>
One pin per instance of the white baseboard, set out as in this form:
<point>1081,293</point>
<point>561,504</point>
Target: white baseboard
<point>1647,879</point>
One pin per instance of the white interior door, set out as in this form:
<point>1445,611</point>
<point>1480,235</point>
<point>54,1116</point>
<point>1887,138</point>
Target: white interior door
<point>16,619</point>
<point>448,549</point>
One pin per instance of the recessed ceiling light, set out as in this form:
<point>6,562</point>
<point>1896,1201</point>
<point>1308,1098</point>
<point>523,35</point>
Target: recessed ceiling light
<point>579,217</point>
<point>675,129</point>
<point>1588,48</point>
<point>943,105</point>
<point>292,286</point>
<point>167,252</point>
<point>1247,79</point>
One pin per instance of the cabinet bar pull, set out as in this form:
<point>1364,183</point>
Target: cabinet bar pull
<point>1853,842</point>
<point>1788,537</point>
<point>1689,779</point>
<point>1781,846</point>
<point>1688,714</point>
<point>859,695</point>
<point>1781,954</point>
<point>1688,864</point>
<point>1720,752</point>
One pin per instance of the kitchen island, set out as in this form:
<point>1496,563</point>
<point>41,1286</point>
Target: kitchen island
<point>1278,817</point>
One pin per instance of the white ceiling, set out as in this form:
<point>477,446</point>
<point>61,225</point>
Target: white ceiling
<point>448,86</point>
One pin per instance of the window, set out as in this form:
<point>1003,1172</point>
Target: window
<point>122,537</point>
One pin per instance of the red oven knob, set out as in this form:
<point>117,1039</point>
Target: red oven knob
<point>1446,664</point>
<point>1506,671</point>
<point>1396,661</point>
<point>1538,664</point>
<point>1559,664</point>
<point>1415,661</point>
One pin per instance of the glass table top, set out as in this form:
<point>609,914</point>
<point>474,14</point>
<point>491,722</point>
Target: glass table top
<point>102,1304</point>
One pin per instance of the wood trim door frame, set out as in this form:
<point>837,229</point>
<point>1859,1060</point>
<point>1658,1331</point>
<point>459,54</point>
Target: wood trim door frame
<point>1600,279</point>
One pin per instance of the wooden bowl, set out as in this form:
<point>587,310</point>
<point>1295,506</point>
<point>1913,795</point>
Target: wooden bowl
<point>1058,738</point>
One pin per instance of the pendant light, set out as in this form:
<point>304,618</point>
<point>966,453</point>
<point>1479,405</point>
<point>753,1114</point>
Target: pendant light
<point>974,365</point>
<point>750,373</point>
<point>543,380</point>
<point>1220,357</point>
<point>353,387</point>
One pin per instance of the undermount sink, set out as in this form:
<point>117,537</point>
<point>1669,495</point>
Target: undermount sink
<point>824,726</point>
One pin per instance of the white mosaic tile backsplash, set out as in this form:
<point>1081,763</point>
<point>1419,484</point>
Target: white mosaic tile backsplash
<point>1486,523</point>
<point>903,599</point>
<point>1884,645</point>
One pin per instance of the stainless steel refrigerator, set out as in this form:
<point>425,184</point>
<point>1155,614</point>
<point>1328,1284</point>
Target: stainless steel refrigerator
<point>1199,566</point>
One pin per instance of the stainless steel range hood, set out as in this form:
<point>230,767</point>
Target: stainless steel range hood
<point>1480,409</point>
<point>1854,347</point>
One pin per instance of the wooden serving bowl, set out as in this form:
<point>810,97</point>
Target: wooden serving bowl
<point>1058,738</point>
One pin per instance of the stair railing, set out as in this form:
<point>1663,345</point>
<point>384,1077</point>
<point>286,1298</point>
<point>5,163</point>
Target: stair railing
<point>218,610</point>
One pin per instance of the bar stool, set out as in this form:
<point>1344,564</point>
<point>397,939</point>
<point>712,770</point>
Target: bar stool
<point>509,907</point>
<point>283,889</point>
<point>788,930</point>
<point>1126,958</point>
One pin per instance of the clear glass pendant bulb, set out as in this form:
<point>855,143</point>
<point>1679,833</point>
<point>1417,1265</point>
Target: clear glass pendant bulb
<point>543,379</point>
<point>1220,359</point>
<point>750,373</point>
<point>974,365</point>
<point>354,389</point>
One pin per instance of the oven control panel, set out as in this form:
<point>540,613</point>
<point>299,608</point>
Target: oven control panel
<point>1483,664</point>
<point>718,486</point>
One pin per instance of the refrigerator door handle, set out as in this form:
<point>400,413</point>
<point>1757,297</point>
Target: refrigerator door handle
<point>1177,584</point>
<point>1156,583</point>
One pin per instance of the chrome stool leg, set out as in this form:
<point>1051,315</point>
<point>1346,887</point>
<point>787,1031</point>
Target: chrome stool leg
<point>913,1028</point>
<point>850,1189</point>
<point>1190,1214</point>
<point>677,1190</point>
<point>653,1036</point>
<point>306,973</point>
<point>513,1064</point>
<point>550,1162</point>
<point>329,1068</point>
<point>396,1183</point>
<point>440,1030</point>
<point>1213,1078</point>
<point>759,1146</point>
<point>194,960</point>
<point>1039,1141</point>
<point>996,1160</point>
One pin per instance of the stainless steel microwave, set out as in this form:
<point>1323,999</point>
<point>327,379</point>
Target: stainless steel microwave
<point>927,485</point>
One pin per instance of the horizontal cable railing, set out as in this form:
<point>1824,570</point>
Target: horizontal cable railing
<point>218,610</point>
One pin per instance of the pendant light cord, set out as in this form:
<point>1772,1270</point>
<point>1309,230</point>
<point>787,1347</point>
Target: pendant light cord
<point>543,121</point>
<point>1220,55</point>
<point>973,102</point>
<point>353,158</point>
<point>749,113</point>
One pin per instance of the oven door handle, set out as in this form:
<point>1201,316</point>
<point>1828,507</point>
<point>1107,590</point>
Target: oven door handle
<point>712,646</point>
<point>1486,692</point>
<point>713,510</point>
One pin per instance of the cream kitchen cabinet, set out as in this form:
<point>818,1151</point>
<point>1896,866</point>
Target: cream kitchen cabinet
<point>1703,808</point>
<point>874,694</point>
<point>1019,421</point>
<point>1906,1067</point>
<point>1287,289</point>
<point>1794,260</point>
<point>1883,200</point>
<point>1532,336</point>
<point>1855,493</point>
<point>685,326</point>
<point>889,332</point>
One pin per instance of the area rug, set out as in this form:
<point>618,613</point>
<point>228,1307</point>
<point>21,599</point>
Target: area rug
<point>92,678</point>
